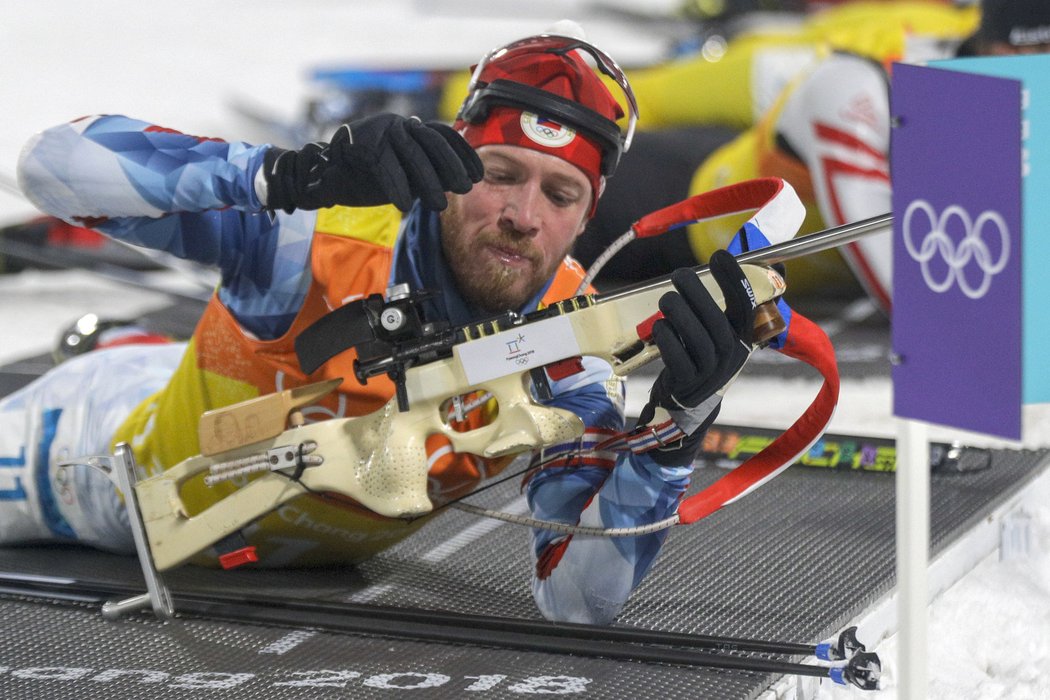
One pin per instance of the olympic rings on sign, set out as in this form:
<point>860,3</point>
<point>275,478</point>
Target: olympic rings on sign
<point>936,242</point>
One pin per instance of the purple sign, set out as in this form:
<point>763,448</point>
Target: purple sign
<point>956,171</point>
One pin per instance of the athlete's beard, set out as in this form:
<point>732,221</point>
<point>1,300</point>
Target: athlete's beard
<point>483,280</point>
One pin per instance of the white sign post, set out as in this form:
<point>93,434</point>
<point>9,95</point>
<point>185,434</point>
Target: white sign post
<point>913,546</point>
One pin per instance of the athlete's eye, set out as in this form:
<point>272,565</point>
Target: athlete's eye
<point>561,198</point>
<point>498,175</point>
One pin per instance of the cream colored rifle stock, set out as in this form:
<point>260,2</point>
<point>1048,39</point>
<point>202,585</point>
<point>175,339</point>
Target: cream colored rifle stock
<point>380,460</point>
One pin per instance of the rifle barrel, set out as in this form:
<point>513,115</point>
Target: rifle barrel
<point>771,255</point>
<point>816,242</point>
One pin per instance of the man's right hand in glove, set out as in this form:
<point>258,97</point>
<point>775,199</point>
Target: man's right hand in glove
<point>703,348</point>
<point>383,159</point>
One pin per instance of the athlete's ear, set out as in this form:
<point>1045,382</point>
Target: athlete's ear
<point>594,204</point>
<point>582,228</point>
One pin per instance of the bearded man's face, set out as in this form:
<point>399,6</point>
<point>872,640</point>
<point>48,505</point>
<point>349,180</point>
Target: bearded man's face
<point>506,237</point>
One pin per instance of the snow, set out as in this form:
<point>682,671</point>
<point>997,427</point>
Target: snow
<point>182,64</point>
<point>989,634</point>
<point>35,305</point>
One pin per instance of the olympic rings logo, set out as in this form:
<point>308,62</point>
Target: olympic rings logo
<point>936,242</point>
<point>546,132</point>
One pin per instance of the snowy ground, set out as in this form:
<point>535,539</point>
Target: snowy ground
<point>180,65</point>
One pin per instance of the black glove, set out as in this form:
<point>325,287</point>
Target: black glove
<point>702,349</point>
<point>383,159</point>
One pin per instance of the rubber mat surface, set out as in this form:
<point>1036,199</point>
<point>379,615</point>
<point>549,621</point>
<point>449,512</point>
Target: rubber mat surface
<point>797,563</point>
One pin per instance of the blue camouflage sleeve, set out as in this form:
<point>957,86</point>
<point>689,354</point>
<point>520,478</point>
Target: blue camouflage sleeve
<point>189,196</point>
<point>111,166</point>
<point>582,578</point>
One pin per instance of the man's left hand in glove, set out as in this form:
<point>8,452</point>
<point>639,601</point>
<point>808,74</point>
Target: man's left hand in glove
<point>382,159</point>
<point>702,348</point>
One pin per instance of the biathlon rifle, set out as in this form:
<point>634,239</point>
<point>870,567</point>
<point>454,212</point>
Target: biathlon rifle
<point>379,460</point>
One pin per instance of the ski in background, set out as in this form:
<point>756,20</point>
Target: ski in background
<point>726,446</point>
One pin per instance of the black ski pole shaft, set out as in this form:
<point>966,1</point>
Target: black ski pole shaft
<point>633,635</point>
<point>838,648</point>
<point>457,629</point>
<point>629,635</point>
<point>862,669</point>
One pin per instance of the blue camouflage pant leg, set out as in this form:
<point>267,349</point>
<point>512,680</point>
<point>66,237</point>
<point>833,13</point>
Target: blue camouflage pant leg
<point>70,412</point>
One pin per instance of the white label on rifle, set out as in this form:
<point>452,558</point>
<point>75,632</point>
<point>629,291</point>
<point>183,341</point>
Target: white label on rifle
<point>522,348</point>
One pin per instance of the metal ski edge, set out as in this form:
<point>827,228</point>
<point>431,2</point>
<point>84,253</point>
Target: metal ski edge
<point>619,643</point>
<point>727,445</point>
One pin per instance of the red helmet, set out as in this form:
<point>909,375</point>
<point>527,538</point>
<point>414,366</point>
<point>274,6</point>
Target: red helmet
<point>540,93</point>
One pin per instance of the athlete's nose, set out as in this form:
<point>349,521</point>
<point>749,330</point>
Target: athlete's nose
<point>521,212</point>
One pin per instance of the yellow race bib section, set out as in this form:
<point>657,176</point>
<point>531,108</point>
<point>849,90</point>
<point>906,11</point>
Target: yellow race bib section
<point>377,225</point>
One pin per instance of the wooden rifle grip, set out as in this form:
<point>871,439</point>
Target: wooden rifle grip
<point>768,322</point>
